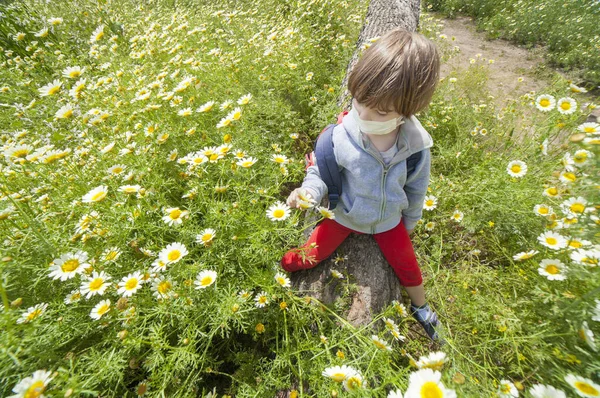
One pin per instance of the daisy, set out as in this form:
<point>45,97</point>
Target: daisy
<point>261,299</point>
<point>587,335</point>
<point>576,206</point>
<point>244,100</point>
<point>235,114</point>
<point>226,105</point>
<point>435,361</point>
<point>430,202</point>
<point>42,32</point>
<point>543,210</point>
<point>576,89</point>
<point>206,107</point>
<point>551,192</point>
<point>516,168</point>
<point>117,169</point>
<point>32,313</point>
<point>400,308</point>
<point>247,162</point>
<point>173,253</point>
<point>65,112</point>
<point>552,240</point>
<point>32,386</point>
<point>353,382</point>
<point>544,147</point>
<point>430,226</point>
<point>381,344</point>
<point>159,265</point>
<point>97,34</point>
<point>206,236</point>
<point>427,382</point>
<point>397,335</point>
<point>589,128</point>
<point>280,159</point>
<point>163,288</point>
<point>96,284</point>
<point>566,105</point>
<point>390,324</point>
<point>50,88</point>
<point>457,215</point>
<point>283,280</point>
<point>73,72</point>
<point>205,278</point>
<point>73,297</point>
<point>507,389</point>
<point>130,284</point>
<point>100,309</point>
<point>589,258</point>
<point>69,265</point>
<point>552,269</point>
<point>278,212</point>
<point>174,216</point>
<point>544,391</point>
<point>185,112</point>
<point>110,254</point>
<point>545,102</point>
<point>129,189</point>
<point>337,274</point>
<point>582,157</point>
<point>224,122</point>
<point>395,394</point>
<point>584,387</point>
<point>339,373</point>
<point>326,213</point>
<point>55,21</point>
<point>95,195</point>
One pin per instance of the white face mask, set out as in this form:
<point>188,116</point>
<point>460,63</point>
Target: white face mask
<point>376,128</point>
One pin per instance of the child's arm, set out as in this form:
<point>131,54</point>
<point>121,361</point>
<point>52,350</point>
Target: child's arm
<point>416,190</point>
<point>313,183</point>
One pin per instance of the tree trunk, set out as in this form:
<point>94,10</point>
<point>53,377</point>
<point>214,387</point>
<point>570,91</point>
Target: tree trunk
<point>366,266</point>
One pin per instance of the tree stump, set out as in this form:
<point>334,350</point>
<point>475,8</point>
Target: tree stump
<point>377,283</point>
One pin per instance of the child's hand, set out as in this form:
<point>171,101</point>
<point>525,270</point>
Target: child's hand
<point>297,196</point>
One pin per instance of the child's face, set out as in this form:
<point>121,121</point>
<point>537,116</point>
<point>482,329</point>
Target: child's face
<point>374,115</point>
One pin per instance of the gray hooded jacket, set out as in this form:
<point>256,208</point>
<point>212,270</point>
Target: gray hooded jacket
<point>376,197</point>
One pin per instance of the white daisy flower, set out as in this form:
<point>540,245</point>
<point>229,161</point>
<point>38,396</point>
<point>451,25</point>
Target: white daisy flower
<point>507,389</point>
<point>205,278</point>
<point>582,386</point>
<point>73,72</point>
<point>50,88</point>
<point>97,34</point>
<point>516,168</point>
<point>339,373</point>
<point>96,284</point>
<point>435,361</point>
<point>553,269</point>
<point>206,107</point>
<point>589,128</point>
<point>110,254</point>
<point>206,236</point>
<point>159,265</point>
<point>117,169</point>
<point>162,288</point>
<point>551,192</point>
<point>380,343</point>
<point>69,265</point>
<point>95,195</point>
<point>280,159</point>
<point>395,394</point>
<point>32,313</point>
<point>552,240</point>
<point>185,112</point>
<point>130,189</point>
<point>566,105</point>
<point>73,297</point>
<point>174,216</point>
<point>261,299</point>
<point>568,162</point>
<point>589,257</point>
<point>224,122</point>
<point>576,206</point>
<point>130,284</point>
<point>247,162</point>
<point>457,216</point>
<point>337,274</point>
<point>100,309</point>
<point>283,280</point>
<point>278,212</point>
<point>545,391</point>
<point>173,253</point>
<point>587,335</point>
<point>582,157</point>
<point>33,386</point>
<point>545,102</point>
<point>244,100</point>
<point>235,114</point>
<point>354,382</point>
<point>400,308</point>
<point>396,334</point>
<point>543,210</point>
<point>65,112</point>
<point>430,202</point>
<point>427,382</point>
<point>326,213</point>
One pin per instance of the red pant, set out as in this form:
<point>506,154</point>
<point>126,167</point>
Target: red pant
<point>395,245</point>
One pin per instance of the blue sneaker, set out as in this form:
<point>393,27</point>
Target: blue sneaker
<point>428,319</point>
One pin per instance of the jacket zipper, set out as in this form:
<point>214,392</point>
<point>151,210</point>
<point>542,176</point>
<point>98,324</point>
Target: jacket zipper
<point>383,177</point>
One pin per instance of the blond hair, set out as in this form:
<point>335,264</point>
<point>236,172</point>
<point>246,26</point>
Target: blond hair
<point>399,72</point>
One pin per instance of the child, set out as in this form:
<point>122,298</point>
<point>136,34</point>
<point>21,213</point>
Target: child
<point>394,79</point>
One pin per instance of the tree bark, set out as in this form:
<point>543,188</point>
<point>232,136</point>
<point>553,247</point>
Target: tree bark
<point>366,267</point>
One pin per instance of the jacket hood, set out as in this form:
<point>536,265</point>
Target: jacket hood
<point>412,137</point>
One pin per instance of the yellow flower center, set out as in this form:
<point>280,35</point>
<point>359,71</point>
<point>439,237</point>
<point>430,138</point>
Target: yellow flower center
<point>111,255</point>
<point>34,314</point>
<point>131,284</point>
<point>575,244</point>
<point>569,176</point>
<point>515,168</point>
<point>53,90</point>
<point>103,309</point>
<point>552,269</point>
<point>117,170</point>
<point>589,129</point>
<point>545,103</point>
<point>174,255</point>
<point>431,390</point>
<point>565,105</point>
<point>98,196</point>
<point>164,287</point>
<point>577,208</point>
<point>551,241</point>
<point>207,280</point>
<point>586,388</point>
<point>70,265</point>
<point>96,284</point>
<point>21,153</point>
<point>429,202</point>
<point>353,383</point>
<point>552,191</point>
<point>262,299</point>
<point>543,210</point>
<point>278,213</point>
<point>35,390</point>
<point>175,214</point>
